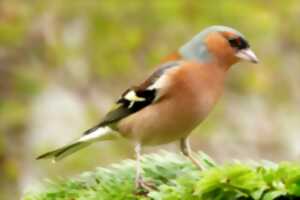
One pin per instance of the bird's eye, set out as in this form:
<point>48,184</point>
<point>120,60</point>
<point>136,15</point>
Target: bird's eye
<point>238,43</point>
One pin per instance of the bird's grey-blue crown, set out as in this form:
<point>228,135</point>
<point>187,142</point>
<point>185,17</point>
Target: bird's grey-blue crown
<point>196,49</point>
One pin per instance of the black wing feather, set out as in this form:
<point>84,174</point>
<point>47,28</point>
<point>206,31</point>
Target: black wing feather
<point>125,107</point>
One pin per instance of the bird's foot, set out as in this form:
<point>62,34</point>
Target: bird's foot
<point>143,187</point>
<point>197,163</point>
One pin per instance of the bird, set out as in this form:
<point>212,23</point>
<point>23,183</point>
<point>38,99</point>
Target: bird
<point>173,100</point>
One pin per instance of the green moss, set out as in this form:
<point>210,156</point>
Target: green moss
<point>176,178</point>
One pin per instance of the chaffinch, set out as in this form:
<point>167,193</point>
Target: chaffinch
<point>177,97</point>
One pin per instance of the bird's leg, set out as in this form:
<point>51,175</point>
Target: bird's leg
<point>186,150</point>
<point>139,181</point>
<point>138,175</point>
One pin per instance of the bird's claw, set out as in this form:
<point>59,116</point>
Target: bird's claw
<point>199,165</point>
<point>196,162</point>
<point>144,187</point>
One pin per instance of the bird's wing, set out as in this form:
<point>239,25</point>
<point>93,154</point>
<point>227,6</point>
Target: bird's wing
<point>138,97</point>
<point>131,101</point>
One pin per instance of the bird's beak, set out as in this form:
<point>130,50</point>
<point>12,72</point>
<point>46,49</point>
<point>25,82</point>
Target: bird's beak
<point>247,54</point>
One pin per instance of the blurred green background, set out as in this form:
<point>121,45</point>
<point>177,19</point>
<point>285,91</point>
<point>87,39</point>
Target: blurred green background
<point>63,63</point>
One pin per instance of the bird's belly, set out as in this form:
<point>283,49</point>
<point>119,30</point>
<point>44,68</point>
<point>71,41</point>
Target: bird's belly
<point>153,126</point>
<point>157,134</point>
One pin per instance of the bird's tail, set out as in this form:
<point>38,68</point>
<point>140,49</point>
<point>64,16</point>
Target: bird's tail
<point>64,151</point>
<point>90,136</point>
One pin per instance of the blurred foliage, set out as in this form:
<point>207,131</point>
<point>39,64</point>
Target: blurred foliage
<point>89,51</point>
<point>176,178</point>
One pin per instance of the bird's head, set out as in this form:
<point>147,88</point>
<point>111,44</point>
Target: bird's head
<point>218,43</point>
